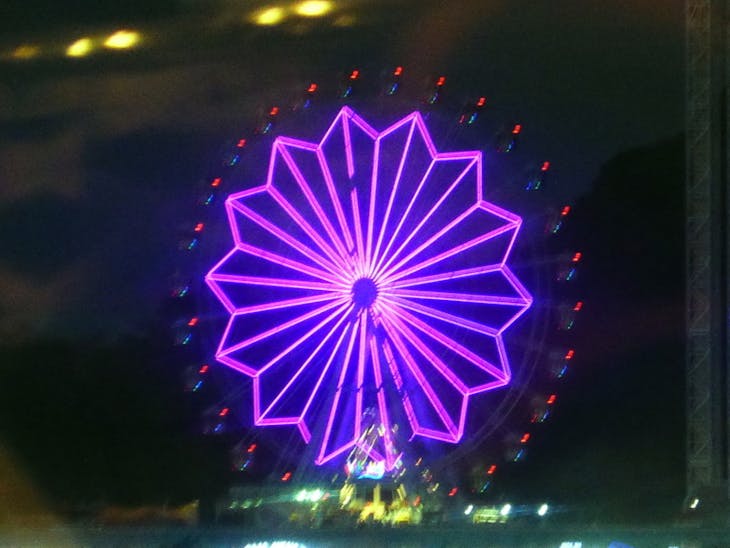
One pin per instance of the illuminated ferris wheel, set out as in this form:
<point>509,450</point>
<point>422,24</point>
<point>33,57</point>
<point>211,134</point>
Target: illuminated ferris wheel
<point>368,289</point>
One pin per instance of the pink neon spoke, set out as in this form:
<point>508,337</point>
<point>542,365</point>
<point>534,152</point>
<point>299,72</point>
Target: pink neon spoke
<point>427,217</point>
<point>418,374</point>
<point>373,198</point>
<point>313,203</point>
<point>402,219</point>
<point>361,357</point>
<point>348,147</point>
<point>407,406</point>
<point>444,276</point>
<point>358,228</point>
<point>270,282</point>
<point>441,315</point>
<point>328,429</point>
<point>274,330</point>
<point>330,253</point>
<point>360,122</point>
<point>396,182</point>
<point>438,364</point>
<point>500,300</point>
<point>339,213</point>
<point>453,223</point>
<point>277,305</point>
<point>516,284</point>
<point>426,135</point>
<point>304,337</point>
<point>281,260</point>
<point>306,363</point>
<point>297,143</point>
<point>382,406</point>
<point>451,344</point>
<point>393,274</point>
<point>326,367</point>
<point>284,237</point>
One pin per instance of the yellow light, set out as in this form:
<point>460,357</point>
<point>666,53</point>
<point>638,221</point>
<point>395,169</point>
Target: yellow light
<point>25,51</point>
<point>122,39</point>
<point>269,16</point>
<point>313,8</point>
<point>80,47</point>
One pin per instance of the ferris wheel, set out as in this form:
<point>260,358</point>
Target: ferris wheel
<point>383,289</point>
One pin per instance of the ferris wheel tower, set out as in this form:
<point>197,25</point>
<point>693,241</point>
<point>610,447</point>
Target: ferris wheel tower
<point>708,254</point>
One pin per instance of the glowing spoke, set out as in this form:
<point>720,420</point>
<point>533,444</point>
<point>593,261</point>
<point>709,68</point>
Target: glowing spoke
<point>270,282</point>
<point>500,300</point>
<point>358,231</point>
<point>330,253</point>
<point>420,377</point>
<point>450,343</point>
<point>328,429</point>
<point>445,276</point>
<point>392,275</point>
<point>402,220</point>
<point>304,337</point>
<point>303,367</point>
<point>222,351</point>
<point>312,200</point>
<point>425,219</point>
<point>284,237</point>
<point>399,173</point>
<point>382,406</point>
<point>278,305</point>
<point>281,260</point>
<point>441,315</point>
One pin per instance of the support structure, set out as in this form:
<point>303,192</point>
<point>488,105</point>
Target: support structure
<point>708,252</point>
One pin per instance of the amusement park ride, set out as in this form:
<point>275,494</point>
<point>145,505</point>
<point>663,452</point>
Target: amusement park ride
<point>374,293</point>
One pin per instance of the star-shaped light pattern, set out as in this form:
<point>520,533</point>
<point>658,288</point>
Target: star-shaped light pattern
<point>368,278</point>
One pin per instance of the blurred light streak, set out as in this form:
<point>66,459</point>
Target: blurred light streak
<point>269,16</point>
<point>122,39</point>
<point>25,51</point>
<point>80,48</point>
<point>313,8</point>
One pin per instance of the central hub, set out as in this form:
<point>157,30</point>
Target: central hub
<point>364,292</point>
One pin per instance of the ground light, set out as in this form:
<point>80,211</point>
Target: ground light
<point>542,510</point>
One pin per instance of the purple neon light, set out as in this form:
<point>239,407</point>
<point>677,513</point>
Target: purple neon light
<point>386,206</point>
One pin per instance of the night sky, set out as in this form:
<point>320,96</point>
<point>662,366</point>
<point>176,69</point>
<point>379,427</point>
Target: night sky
<point>96,154</point>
